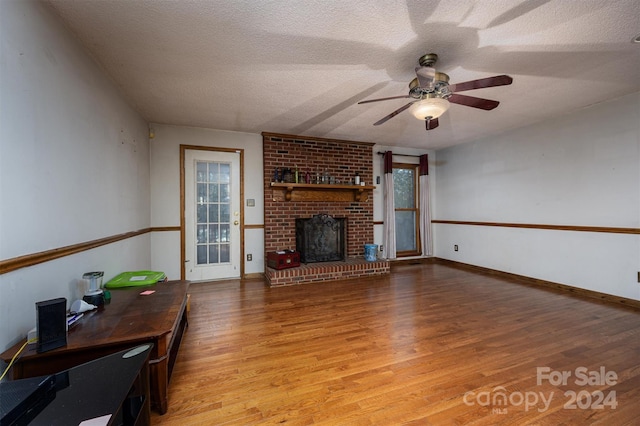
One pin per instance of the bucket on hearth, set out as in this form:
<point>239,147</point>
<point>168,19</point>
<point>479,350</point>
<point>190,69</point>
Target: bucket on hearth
<point>370,252</point>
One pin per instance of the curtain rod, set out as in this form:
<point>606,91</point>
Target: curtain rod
<point>402,155</point>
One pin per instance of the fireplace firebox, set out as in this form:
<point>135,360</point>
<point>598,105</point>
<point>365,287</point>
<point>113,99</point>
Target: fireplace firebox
<point>320,238</point>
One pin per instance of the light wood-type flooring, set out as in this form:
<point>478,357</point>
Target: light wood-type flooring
<point>430,344</point>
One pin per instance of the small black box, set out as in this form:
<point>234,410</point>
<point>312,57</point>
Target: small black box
<point>51,324</point>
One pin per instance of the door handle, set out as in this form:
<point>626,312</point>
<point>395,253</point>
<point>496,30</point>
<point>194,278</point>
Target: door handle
<point>235,222</point>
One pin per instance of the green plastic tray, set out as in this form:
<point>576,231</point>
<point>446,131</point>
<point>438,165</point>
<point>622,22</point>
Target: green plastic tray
<point>135,279</point>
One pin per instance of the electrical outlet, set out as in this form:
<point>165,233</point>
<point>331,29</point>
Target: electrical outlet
<point>381,247</point>
<point>455,247</point>
<point>249,257</point>
<point>639,276</point>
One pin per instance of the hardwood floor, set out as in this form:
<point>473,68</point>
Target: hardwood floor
<point>428,345</point>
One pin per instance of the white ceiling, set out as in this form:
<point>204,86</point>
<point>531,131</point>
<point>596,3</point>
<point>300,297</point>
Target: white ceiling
<point>301,66</point>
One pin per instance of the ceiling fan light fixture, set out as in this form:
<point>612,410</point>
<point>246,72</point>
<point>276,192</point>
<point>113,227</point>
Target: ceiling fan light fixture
<point>430,107</point>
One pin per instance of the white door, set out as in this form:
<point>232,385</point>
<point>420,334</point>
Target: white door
<point>212,215</point>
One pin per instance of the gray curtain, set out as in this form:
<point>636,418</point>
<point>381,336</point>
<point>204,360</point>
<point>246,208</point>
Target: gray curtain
<point>389,214</point>
<point>425,208</point>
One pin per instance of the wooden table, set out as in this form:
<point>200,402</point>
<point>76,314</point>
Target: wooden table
<point>129,320</point>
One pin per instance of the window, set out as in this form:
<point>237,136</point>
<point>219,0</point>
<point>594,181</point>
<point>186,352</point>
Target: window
<point>405,191</point>
<point>213,212</point>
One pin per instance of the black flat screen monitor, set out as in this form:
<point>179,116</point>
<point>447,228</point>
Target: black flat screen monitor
<point>22,400</point>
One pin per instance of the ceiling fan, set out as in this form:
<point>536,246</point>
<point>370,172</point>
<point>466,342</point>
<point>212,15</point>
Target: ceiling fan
<point>432,93</point>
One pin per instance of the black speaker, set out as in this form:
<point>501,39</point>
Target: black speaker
<point>51,324</point>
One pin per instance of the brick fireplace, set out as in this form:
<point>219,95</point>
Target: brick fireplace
<point>341,160</point>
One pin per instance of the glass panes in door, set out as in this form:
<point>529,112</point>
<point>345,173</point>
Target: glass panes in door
<point>213,212</point>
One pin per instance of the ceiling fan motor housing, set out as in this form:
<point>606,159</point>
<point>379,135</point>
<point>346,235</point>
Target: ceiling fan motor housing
<point>440,88</point>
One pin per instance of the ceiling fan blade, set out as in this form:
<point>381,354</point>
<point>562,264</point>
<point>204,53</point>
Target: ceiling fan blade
<point>426,76</point>
<point>498,80</point>
<point>383,99</point>
<point>431,124</point>
<point>393,114</point>
<point>471,101</point>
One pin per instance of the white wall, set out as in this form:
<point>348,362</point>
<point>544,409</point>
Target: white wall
<point>378,170</point>
<point>578,169</point>
<point>74,165</point>
<point>165,191</point>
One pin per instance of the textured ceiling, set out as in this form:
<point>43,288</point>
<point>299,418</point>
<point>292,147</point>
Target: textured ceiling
<point>301,66</point>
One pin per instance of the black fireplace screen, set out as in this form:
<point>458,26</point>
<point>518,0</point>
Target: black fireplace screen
<point>320,239</point>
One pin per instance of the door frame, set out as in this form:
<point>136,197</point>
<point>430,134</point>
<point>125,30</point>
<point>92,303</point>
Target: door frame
<point>416,209</point>
<point>183,149</point>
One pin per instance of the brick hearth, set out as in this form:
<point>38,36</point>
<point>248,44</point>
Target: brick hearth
<point>341,159</point>
<point>353,267</point>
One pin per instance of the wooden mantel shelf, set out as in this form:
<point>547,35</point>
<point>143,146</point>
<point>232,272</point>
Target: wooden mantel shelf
<point>319,192</point>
